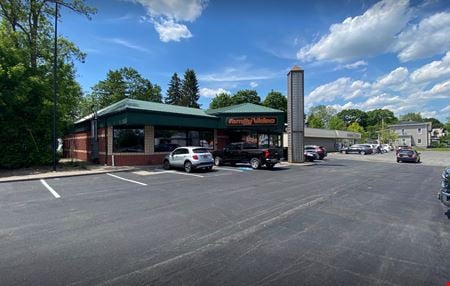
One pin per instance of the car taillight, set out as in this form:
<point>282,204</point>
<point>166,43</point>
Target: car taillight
<point>414,156</point>
<point>195,157</point>
<point>266,154</point>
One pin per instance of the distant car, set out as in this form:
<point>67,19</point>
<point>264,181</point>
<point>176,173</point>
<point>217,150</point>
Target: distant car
<point>189,158</point>
<point>320,150</point>
<point>386,148</point>
<point>310,157</point>
<point>362,149</point>
<point>406,155</point>
<point>403,148</point>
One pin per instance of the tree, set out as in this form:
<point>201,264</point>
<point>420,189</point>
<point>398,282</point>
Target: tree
<point>276,100</point>
<point>336,123</point>
<point>353,115</point>
<point>412,117</point>
<point>246,96</point>
<point>31,19</point>
<point>190,90</point>
<point>435,123</point>
<point>324,113</point>
<point>122,83</point>
<point>377,117</point>
<point>314,121</point>
<point>221,100</point>
<point>26,77</point>
<point>355,127</point>
<point>174,91</point>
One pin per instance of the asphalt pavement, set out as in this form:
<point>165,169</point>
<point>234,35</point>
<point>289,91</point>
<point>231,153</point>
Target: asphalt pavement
<point>336,222</point>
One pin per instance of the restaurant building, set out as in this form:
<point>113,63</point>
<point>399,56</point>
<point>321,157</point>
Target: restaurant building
<point>135,132</point>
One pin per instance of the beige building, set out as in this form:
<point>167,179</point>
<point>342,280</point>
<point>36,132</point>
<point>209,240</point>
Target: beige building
<point>413,133</point>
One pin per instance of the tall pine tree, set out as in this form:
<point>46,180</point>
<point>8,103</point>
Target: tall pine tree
<point>174,91</point>
<point>190,91</point>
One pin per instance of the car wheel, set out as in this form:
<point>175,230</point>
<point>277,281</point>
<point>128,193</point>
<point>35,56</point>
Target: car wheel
<point>398,161</point>
<point>346,152</point>
<point>362,152</point>
<point>217,161</point>
<point>270,166</point>
<point>256,163</point>
<point>188,166</point>
<point>166,165</point>
<point>209,168</point>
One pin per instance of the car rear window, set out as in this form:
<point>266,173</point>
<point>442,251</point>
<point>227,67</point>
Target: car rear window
<point>200,150</point>
<point>407,152</point>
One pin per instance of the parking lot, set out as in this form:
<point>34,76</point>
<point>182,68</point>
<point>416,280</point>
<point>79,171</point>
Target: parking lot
<point>343,221</point>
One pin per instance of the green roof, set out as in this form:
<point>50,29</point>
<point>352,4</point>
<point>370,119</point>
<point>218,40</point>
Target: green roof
<point>133,104</point>
<point>244,108</point>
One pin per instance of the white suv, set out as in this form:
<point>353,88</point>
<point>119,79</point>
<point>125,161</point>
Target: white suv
<point>189,158</point>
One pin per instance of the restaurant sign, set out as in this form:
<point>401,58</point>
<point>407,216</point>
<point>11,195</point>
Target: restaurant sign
<point>251,121</point>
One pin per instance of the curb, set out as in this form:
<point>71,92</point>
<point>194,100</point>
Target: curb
<point>55,175</point>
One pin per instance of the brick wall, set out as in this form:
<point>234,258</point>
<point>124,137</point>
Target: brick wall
<point>135,159</point>
<point>77,146</point>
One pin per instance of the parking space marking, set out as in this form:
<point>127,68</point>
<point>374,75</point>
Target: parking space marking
<point>229,169</point>
<point>131,181</point>
<point>55,194</point>
<point>180,173</point>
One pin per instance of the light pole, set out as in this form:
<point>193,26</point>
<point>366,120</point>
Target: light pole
<point>55,65</point>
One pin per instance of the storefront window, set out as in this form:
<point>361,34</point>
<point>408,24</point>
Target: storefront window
<point>128,139</point>
<point>259,140</point>
<point>166,140</point>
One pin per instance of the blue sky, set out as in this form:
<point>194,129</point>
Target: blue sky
<point>356,54</point>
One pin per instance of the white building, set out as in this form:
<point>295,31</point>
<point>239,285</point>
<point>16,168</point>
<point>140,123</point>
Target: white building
<point>412,133</point>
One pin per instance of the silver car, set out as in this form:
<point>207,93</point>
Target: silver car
<point>189,158</point>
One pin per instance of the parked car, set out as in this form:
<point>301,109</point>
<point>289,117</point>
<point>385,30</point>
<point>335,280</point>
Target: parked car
<point>310,157</point>
<point>318,149</point>
<point>362,149</point>
<point>242,152</point>
<point>407,155</point>
<point>385,148</point>
<point>403,148</point>
<point>313,153</point>
<point>189,158</point>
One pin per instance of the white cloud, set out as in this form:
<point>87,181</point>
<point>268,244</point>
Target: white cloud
<point>211,93</point>
<point>128,44</point>
<point>446,109</point>
<point>442,89</point>
<point>171,31</point>
<point>253,84</point>
<point>394,79</point>
<point>356,65</point>
<point>433,70</point>
<point>166,15</point>
<point>240,73</point>
<point>428,38</point>
<point>344,88</point>
<point>367,34</point>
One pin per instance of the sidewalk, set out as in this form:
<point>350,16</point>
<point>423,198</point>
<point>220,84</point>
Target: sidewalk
<point>37,174</point>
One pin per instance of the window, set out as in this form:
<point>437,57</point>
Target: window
<point>419,130</point>
<point>128,139</point>
<point>419,141</point>
<point>167,139</point>
<point>404,141</point>
<point>403,132</point>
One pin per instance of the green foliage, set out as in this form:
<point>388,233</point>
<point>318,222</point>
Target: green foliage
<point>355,127</point>
<point>221,100</point>
<point>435,123</point>
<point>246,96</point>
<point>336,123</point>
<point>322,112</point>
<point>379,117</point>
<point>174,91</point>
<point>315,121</point>
<point>353,115</point>
<point>412,117</point>
<point>122,83</point>
<point>276,100</point>
<point>26,80</point>
<point>190,90</point>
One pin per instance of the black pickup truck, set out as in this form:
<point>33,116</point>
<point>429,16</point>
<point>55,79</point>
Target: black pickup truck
<point>247,153</point>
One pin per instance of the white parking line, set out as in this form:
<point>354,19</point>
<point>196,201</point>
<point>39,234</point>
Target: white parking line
<point>131,181</point>
<point>228,169</point>
<point>55,194</point>
<point>181,173</point>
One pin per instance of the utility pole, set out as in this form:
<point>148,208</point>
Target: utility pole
<point>55,65</point>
